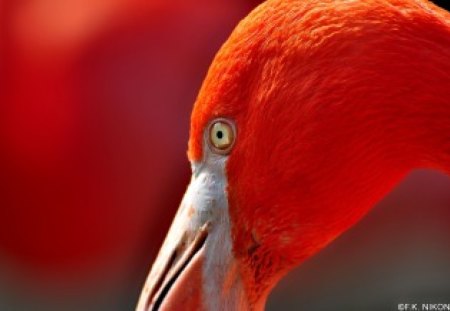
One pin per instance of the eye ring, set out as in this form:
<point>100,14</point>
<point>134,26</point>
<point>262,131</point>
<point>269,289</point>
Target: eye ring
<point>221,135</point>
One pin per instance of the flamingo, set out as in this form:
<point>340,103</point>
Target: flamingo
<point>311,112</point>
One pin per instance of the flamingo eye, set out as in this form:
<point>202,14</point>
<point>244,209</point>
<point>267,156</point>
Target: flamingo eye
<point>221,136</point>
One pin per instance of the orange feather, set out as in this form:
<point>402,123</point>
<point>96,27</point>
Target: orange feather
<point>334,102</point>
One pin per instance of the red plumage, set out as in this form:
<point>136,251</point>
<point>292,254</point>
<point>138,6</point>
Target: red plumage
<point>334,102</point>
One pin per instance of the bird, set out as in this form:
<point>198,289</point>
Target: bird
<point>310,113</point>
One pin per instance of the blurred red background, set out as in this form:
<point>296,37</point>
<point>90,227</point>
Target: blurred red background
<point>94,117</point>
<point>96,97</point>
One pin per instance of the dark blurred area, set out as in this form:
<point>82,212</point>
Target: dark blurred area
<point>442,3</point>
<point>94,117</point>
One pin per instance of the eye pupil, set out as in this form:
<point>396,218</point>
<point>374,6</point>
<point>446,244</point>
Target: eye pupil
<point>219,134</point>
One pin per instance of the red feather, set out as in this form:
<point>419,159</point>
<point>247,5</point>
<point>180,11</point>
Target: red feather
<point>335,102</point>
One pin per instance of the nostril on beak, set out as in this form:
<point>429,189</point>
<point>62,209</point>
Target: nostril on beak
<point>178,261</point>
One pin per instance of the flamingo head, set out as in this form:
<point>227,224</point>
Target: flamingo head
<point>294,136</point>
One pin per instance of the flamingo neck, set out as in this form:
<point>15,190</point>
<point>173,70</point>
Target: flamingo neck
<point>421,121</point>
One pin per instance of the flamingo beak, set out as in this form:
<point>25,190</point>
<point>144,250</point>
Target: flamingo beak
<point>175,280</point>
<point>195,268</point>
